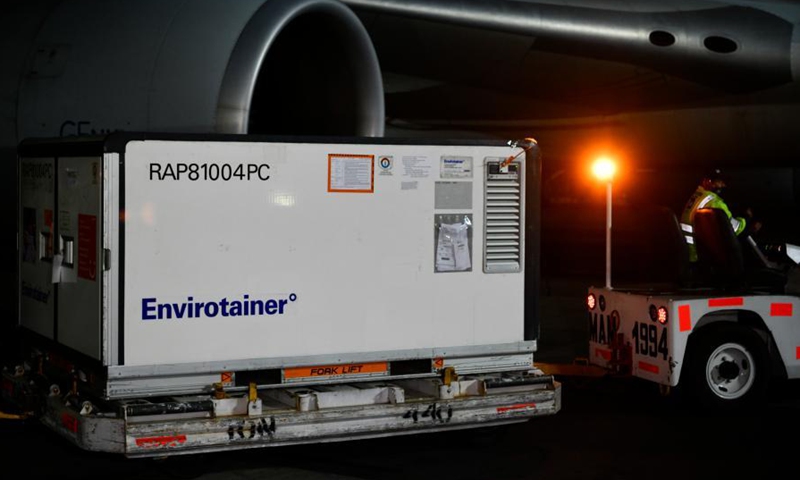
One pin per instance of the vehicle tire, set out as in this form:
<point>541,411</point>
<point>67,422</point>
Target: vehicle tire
<point>728,368</point>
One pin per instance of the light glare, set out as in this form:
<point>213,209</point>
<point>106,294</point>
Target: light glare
<point>604,168</point>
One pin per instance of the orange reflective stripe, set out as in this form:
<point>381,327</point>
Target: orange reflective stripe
<point>726,302</point>
<point>648,367</point>
<point>684,318</point>
<point>780,309</point>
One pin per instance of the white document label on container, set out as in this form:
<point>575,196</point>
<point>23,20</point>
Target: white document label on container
<point>456,167</point>
<point>452,250</point>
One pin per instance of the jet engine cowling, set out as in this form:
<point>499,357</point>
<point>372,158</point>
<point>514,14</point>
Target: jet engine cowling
<point>293,67</point>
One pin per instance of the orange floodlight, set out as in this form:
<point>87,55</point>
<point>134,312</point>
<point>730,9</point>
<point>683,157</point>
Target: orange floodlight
<point>604,168</point>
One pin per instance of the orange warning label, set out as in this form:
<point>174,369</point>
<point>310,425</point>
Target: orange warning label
<point>351,173</point>
<point>161,442</point>
<point>336,370</point>
<point>226,378</point>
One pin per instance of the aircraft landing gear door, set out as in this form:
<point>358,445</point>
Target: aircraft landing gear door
<point>37,215</point>
<point>77,271</point>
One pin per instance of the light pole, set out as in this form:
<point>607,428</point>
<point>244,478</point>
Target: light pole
<point>604,169</point>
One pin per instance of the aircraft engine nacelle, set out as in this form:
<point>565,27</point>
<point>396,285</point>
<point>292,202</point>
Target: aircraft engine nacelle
<point>287,67</point>
<point>82,67</point>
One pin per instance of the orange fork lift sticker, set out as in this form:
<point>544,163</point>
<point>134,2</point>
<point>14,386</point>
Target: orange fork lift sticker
<point>156,442</point>
<point>520,407</point>
<point>336,370</point>
<point>780,309</point>
<point>726,302</point>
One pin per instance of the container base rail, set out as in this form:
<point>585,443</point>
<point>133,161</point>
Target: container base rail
<point>219,421</point>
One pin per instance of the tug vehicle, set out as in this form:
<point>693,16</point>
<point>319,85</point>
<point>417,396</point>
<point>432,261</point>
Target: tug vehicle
<point>721,334</point>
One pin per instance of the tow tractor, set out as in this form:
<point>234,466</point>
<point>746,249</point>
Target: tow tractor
<point>722,334</point>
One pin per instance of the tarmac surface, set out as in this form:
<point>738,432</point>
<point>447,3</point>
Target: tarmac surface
<point>609,428</point>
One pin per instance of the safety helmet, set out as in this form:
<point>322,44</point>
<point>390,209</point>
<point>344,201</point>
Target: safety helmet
<point>714,180</point>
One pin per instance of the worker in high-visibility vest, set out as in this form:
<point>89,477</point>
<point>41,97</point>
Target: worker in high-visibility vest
<point>707,195</point>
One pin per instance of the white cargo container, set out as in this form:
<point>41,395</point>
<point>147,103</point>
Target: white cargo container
<point>223,286</point>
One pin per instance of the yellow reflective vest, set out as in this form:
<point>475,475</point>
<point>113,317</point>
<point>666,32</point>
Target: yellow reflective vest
<point>702,198</point>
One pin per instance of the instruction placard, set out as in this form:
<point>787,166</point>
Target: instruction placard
<point>351,173</point>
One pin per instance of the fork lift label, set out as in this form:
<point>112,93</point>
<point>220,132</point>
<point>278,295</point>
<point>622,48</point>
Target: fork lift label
<point>327,371</point>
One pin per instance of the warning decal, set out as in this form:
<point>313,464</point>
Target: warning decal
<point>351,173</point>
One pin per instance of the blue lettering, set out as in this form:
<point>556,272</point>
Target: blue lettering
<point>236,308</point>
<point>271,306</point>
<point>146,309</point>
<point>254,304</point>
<point>179,309</point>
<point>211,312</point>
<point>153,310</point>
<point>164,310</point>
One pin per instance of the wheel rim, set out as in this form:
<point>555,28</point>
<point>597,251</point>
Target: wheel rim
<point>730,371</point>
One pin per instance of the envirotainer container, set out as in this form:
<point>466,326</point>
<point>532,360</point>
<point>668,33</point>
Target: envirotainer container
<point>168,263</point>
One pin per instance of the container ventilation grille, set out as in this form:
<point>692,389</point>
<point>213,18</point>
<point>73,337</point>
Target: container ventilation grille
<point>503,217</point>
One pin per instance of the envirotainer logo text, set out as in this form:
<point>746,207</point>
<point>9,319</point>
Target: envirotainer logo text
<point>245,306</point>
